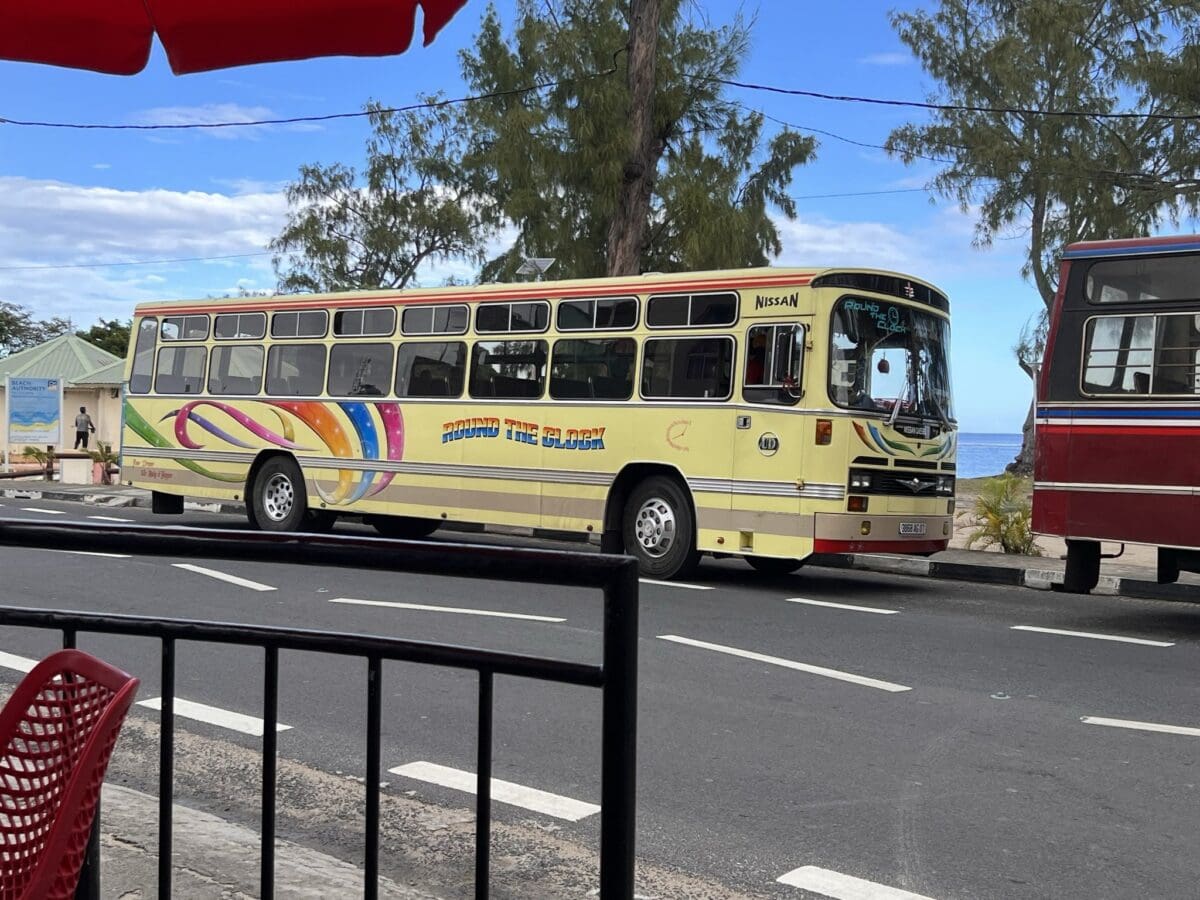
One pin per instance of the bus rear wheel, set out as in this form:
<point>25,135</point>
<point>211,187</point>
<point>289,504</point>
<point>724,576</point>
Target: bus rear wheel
<point>279,498</point>
<point>1083,567</point>
<point>774,565</point>
<point>659,529</point>
<point>405,527</point>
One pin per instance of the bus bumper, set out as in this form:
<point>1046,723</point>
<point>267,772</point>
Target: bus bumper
<point>863,533</point>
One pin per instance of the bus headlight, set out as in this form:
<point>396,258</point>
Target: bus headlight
<point>945,484</point>
<point>860,481</point>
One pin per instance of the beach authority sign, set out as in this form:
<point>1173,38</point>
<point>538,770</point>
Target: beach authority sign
<point>34,411</point>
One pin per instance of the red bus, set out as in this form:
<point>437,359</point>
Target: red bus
<point>1118,412</point>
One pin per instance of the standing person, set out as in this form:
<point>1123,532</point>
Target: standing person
<point>83,425</point>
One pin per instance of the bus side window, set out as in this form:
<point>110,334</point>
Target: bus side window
<point>142,376</point>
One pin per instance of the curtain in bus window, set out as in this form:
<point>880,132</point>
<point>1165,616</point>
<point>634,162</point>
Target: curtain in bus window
<point>435,369</point>
<point>180,370</point>
<point>141,377</point>
<point>1119,353</point>
<point>295,370</point>
<point>236,370</point>
<point>360,370</point>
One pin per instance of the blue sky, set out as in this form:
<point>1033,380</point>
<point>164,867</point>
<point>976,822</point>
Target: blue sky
<point>75,198</point>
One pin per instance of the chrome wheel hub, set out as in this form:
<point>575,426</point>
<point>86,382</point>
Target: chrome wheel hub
<point>278,498</point>
<point>655,527</point>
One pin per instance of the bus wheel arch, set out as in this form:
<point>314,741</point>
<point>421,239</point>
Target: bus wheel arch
<point>276,495</point>
<point>651,515</point>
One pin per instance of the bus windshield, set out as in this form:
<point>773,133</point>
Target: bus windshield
<point>890,358</point>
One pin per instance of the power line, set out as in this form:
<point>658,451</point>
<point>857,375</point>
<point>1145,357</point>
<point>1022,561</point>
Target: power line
<point>952,107</point>
<point>132,262</point>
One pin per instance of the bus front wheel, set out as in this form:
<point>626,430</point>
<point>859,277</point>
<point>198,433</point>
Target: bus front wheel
<point>659,528</point>
<point>1083,567</point>
<point>279,499</point>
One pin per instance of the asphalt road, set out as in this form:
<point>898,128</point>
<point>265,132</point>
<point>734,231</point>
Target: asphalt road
<point>925,741</point>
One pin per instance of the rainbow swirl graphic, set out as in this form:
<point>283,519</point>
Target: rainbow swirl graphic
<point>364,440</point>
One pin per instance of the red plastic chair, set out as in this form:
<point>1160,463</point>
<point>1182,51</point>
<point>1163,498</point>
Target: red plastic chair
<point>57,732</point>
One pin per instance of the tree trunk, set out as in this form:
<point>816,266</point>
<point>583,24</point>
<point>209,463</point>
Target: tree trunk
<point>1023,464</point>
<point>627,231</point>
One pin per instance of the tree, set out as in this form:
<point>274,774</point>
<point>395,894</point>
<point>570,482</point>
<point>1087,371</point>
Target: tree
<point>19,330</point>
<point>109,334</point>
<point>1009,70</point>
<point>346,232</point>
<point>564,166</point>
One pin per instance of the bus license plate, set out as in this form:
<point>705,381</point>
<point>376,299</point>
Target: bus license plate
<point>912,529</point>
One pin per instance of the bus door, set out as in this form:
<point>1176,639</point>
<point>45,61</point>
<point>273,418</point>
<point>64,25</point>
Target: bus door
<point>768,438</point>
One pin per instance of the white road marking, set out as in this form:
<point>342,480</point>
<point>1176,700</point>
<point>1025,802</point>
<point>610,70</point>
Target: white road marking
<point>221,576</point>
<point>828,883</point>
<point>214,715</point>
<point>20,663</point>
<point>502,791</point>
<point>109,519</point>
<point>445,609</point>
<point>1140,726</point>
<point>866,609</point>
<point>48,512</point>
<point>789,664</point>
<point>678,584</point>
<point>1096,637</point>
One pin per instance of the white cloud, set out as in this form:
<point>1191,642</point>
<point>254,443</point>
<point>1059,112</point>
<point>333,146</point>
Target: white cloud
<point>46,224</point>
<point>210,114</point>
<point>886,59</point>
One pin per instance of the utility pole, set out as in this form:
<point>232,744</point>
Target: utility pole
<point>627,231</point>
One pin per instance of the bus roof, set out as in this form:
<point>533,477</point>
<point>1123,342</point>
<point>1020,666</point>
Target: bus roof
<point>1178,243</point>
<point>729,279</point>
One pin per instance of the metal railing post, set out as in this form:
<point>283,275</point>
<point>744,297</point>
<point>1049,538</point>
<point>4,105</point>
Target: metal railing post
<point>166,768</point>
<point>374,764</point>
<point>483,789</point>
<point>269,766</point>
<point>618,778</point>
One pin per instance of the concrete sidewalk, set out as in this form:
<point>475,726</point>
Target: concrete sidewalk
<point>213,858</point>
<point>1039,572</point>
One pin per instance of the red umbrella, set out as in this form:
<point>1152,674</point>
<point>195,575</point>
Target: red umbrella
<point>114,36</point>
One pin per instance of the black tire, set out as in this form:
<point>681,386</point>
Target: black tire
<point>404,527</point>
<point>279,500</point>
<point>659,529</point>
<point>1083,567</point>
<point>774,565</point>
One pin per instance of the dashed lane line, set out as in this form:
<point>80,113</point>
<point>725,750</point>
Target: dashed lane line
<point>789,664</point>
<point>424,607</point>
<point>1096,637</point>
<point>214,715</point>
<point>828,883</point>
<point>45,512</point>
<point>846,606</point>
<point>1140,726</point>
<point>677,584</point>
<point>80,552</point>
<point>110,519</point>
<point>222,576</point>
<point>502,791</point>
<point>19,663</point>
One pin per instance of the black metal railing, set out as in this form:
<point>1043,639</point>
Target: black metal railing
<point>615,576</point>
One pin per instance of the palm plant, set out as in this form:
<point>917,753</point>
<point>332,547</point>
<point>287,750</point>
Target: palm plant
<point>1004,513</point>
<point>105,455</point>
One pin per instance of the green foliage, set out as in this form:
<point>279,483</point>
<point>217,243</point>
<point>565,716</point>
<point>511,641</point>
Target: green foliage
<point>20,331</point>
<point>347,231</point>
<point>1059,178</point>
<point>37,454</point>
<point>1004,511</point>
<point>105,454</point>
<point>109,334</point>
<point>551,162</point>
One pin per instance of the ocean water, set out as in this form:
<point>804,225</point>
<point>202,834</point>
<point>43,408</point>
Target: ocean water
<point>980,455</point>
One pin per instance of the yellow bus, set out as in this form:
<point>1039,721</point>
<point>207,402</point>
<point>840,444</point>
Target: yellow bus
<point>766,413</point>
